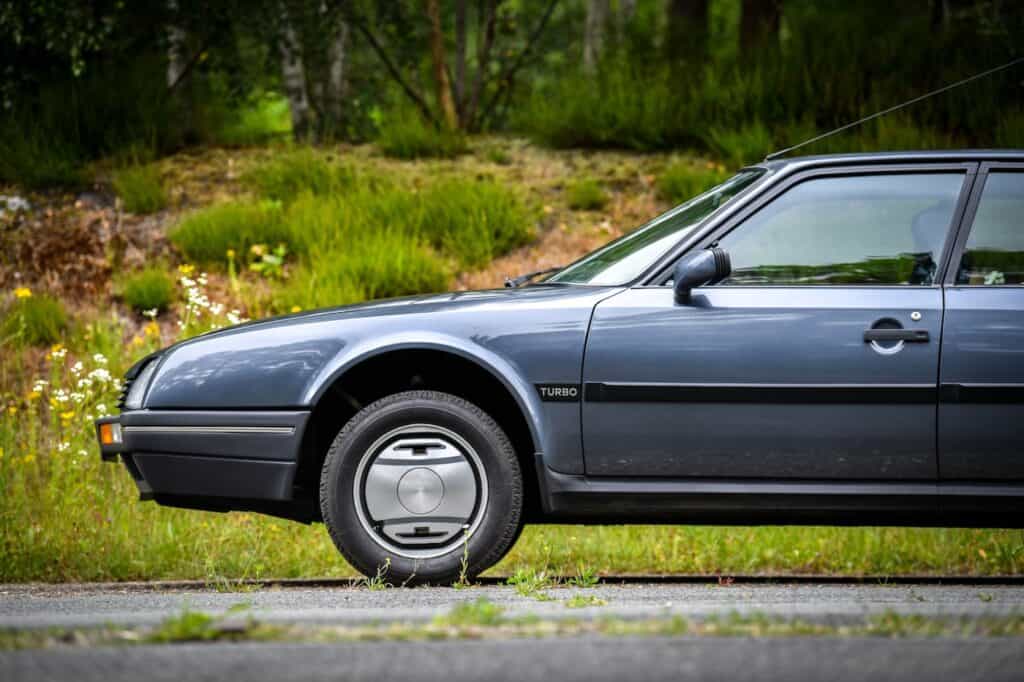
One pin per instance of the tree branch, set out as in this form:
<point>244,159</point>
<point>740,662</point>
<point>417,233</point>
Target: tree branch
<point>392,69</point>
<point>188,67</point>
<point>517,63</point>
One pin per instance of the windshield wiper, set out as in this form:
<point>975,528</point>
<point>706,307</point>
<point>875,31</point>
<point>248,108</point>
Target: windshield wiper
<point>523,279</point>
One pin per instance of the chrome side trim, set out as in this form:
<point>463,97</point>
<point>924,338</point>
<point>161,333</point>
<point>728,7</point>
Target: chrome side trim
<point>273,430</point>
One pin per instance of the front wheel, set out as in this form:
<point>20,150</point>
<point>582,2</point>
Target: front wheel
<point>422,487</point>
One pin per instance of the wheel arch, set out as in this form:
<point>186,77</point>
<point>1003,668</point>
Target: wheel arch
<point>481,377</point>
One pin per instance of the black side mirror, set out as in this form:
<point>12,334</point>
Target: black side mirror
<point>709,266</point>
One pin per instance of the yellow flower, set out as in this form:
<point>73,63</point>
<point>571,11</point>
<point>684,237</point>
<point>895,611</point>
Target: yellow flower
<point>11,409</point>
<point>23,292</point>
<point>137,340</point>
<point>1,453</point>
<point>258,249</point>
<point>296,309</point>
<point>231,254</point>
<point>28,459</point>
<point>186,269</point>
<point>56,348</point>
<point>67,416</point>
<point>152,329</point>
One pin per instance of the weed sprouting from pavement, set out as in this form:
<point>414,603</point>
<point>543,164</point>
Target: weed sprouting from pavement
<point>532,583</point>
<point>377,582</point>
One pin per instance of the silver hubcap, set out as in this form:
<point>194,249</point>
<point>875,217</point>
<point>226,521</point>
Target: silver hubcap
<point>418,489</point>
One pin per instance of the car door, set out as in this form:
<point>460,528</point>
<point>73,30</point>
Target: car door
<point>787,369</point>
<point>981,410</point>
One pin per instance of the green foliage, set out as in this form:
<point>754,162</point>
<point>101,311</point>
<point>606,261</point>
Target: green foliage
<point>498,155</point>
<point>481,612</point>
<point>739,147</point>
<point>474,221</point>
<point>682,180</point>
<point>296,171</point>
<point>405,135</point>
<point>149,289</point>
<point>1010,131</point>
<point>140,188</point>
<point>206,235</point>
<point>35,320</point>
<point>264,117</point>
<point>586,194</point>
<point>268,263</point>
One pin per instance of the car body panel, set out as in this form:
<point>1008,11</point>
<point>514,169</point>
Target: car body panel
<point>807,399</point>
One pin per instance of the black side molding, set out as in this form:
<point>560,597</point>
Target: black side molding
<point>761,393</point>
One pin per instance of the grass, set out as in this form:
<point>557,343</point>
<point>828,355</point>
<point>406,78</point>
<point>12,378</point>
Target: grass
<point>140,188</point>
<point>206,236</point>
<point>405,135</point>
<point>149,289</point>
<point>683,180</point>
<point>32,320</point>
<point>586,194</point>
<point>297,171</point>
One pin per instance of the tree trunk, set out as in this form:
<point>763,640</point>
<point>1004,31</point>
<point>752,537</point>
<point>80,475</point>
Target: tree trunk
<point>759,25</point>
<point>460,59</point>
<point>336,88</point>
<point>444,91</point>
<point>177,59</point>
<point>293,78</point>
<point>687,35</point>
<point>593,33</point>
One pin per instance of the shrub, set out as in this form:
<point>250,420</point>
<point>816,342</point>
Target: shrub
<point>405,135</point>
<point>149,289</point>
<point>738,147</point>
<point>586,195</point>
<point>1010,131</point>
<point>293,172</point>
<point>140,188</point>
<point>498,155</point>
<point>206,235</point>
<point>681,181</point>
<point>264,117</point>
<point>34,321</point>
<point>473,221</point>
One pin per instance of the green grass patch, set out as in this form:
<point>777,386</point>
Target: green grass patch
<point>297,171</point>
<point>405,135</point>
<point>141,189</point>
<point>265,117</point>
<point>586,194</point>
<point>206,235</point>
<point>149,289</point>
<point>681,180</point>
<point>33,320</point>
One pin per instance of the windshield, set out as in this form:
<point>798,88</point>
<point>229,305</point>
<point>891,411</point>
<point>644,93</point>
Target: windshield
<point>624,259</point>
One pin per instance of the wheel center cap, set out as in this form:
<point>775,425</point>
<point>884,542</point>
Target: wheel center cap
<point>420,491</point>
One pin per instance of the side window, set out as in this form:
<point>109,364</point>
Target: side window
<point>994,253</point>
<point>875,229</point>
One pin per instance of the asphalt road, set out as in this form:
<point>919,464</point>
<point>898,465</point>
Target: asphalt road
<point>85,606</point>
<point>561,659</point>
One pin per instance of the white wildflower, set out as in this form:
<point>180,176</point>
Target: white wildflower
<point>77,368</point>
<point>63,446</point>
<point>99,359</point>
<point>151,313</point>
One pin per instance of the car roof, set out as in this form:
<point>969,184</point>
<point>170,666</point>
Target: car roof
<point>871,158</point>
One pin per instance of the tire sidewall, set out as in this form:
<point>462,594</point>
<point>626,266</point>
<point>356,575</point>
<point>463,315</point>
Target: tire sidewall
<point>498,525</point>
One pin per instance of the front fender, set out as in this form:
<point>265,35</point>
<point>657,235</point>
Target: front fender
<point>504,371</point>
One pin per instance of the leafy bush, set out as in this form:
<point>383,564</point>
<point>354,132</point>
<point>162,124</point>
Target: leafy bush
<point>681,181</point>
<point>149,289</point>
<point>265,117</point>
<point>33,320</point>
<point>140,188</point>
<point>291,173</point>
<point>206,235</point>
<point>740,146</point>
<point>473,221</point>
<point>405,135</point>
<point>586,195</point>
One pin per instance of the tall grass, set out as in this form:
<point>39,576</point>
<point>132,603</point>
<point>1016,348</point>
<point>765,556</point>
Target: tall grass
<point>32,320</point>
<point>683,180</point>
<point>148,289</point>
<point>296,171</point>
<point>141,189</point>
<point>405,135</point>
<point>207,235</point>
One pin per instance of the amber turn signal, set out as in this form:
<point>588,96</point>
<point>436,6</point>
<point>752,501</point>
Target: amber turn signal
<point>110,434</point>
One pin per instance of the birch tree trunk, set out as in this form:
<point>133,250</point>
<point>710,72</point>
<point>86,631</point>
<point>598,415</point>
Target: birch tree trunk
<point>293,78</point>
<point>336,90</point>
<point>593,33</point>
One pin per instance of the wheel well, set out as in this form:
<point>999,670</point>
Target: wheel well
<point>403,370</point>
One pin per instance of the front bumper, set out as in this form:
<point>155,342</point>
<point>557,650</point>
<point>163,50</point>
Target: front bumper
<point>242,455</point>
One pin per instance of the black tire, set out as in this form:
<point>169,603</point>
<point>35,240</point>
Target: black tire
<point>499,520</point>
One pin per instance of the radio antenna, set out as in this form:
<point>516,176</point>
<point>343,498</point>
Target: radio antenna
<point>946,88</point>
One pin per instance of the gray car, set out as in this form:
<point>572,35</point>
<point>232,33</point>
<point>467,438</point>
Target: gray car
<point>819,340</point>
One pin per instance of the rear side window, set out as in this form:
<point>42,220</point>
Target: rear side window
<point>877,229</point>
<point>994,253</point>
